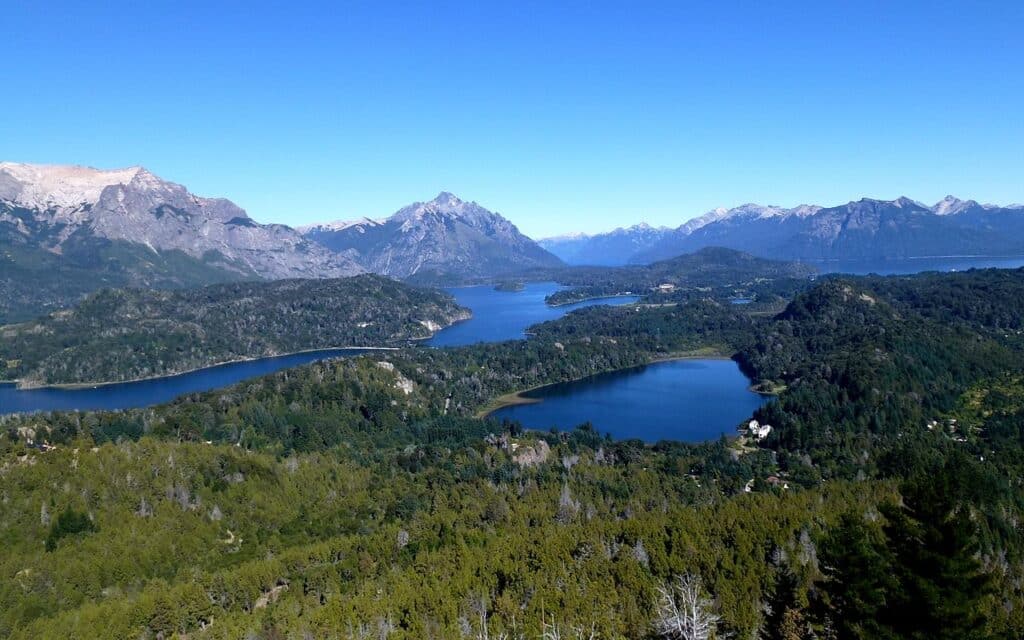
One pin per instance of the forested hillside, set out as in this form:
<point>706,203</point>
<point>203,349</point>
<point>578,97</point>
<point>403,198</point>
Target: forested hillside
<point>34,281</point>
<point>359,498</point>
<point>67,230</point>
<point>723,272</point>
<point>121,334</point>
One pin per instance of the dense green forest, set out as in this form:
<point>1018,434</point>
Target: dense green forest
<point>34,281</point>
<point>122,334</point>
<point>359,498</point>
<point>713,271</point>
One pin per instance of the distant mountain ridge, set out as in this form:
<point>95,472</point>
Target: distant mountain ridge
<point>710,272</point>
<point>47,204</point>
<point>867,229</point>
<point>444,237</point>
<point>68,230</point>
<point>611,249</point>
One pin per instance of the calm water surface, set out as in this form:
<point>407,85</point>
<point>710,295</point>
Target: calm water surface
<point>688,400</point>
<point>497,315</point>
<point>505,315</point>
<point>143,393</point>
<point>905,266</point>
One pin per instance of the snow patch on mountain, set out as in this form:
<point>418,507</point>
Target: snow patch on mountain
<point>136,206</point>
<point>37,186</point>
<point>339,225</point>
<point>446,235</point>
<point>951,205</point>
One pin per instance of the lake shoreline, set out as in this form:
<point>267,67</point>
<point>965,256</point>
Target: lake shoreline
<point>515,398</point>
<point>71,386</point>
<point>591,298</point>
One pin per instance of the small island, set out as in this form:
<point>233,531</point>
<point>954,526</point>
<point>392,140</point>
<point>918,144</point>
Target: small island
<point>510,286</point>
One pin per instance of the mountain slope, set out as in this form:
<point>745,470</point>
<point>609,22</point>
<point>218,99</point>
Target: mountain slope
<point>712,272</point>
<point>613,248</point>
<point>444,238</point>
<point>119,334</point>
<point>66,230</point>
<point>867,229</point>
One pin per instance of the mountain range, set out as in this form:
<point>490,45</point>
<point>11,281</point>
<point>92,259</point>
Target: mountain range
<point>68,230</point>
<point>441,239</point>
<point>56,207</point>
<point>867,229</point>
<point>611,249</point>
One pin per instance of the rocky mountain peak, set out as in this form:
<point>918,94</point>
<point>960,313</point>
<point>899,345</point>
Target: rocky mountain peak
<point>134,206</point>
<point>339,225</point>
<point>873,204</point>
<point>446,235</point>
<point>904,202</point>
<point>445,205</point>
<point>446,199</point>
<point>951,205</point>
<point>42,186</point>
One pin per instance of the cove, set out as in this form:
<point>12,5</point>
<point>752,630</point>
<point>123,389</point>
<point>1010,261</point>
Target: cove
<point>505,315</point>
<point>497,315</point>
<point>142,393</point>
<point>685,400</point>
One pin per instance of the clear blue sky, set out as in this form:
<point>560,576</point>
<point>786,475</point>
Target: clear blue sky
<point>577,117</point>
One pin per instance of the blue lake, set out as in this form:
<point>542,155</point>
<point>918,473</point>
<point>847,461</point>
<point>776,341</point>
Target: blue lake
<point>505,315</point>
<point>497,315</point>
<point>687,400</point>
<point>905,266</point>
<point>124,395</point>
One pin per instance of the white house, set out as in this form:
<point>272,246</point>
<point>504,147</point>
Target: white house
<point>757,430</point>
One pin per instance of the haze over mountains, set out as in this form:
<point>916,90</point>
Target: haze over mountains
<point>867,229</point>
<point>614,248</point>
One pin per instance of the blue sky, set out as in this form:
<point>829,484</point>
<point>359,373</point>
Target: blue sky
<point>580,116</point>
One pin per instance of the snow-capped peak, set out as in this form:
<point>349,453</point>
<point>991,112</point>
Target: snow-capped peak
<point>721,213</point>
<point>338,225</point>
<point>572,235</point>
<point>904,201</point>
<point>446,199</point>
<point>748,211</point>
<point>714,215</point>
<point>446,204</point>
<point>640,227</point>
<point>40,186</point>
<point>804,210</point>
<point>951,205</point>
